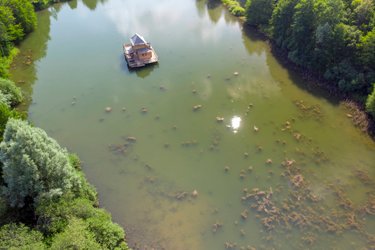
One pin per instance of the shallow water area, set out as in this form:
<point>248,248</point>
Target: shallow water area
<point>218,146</point>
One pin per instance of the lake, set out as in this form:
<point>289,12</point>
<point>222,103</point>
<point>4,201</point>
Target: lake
<point>218,146</point>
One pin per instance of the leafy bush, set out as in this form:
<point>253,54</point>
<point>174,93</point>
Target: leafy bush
<point>14,236</point>
<point>54,214</point>
<point>10,94</point>
<point>35,165</point>
<point>23,12</point>
<point>370,103</point>
<point>5,61</point>
<point>234,7</point>
<point>108,234</point>
<point>75,161</point>
<point>5,114</point>
<point>75,236</point>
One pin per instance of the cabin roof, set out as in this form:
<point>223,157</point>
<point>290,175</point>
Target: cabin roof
<point>144,50</point>
<point>137,39</point>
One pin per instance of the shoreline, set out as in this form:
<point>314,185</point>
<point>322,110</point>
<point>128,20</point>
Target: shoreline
<point>356,110</point>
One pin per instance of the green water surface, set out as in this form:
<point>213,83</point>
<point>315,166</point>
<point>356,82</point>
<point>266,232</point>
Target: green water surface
<point>72,68</point>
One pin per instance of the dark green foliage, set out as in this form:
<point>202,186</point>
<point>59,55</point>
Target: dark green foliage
<point>335,39</point>
<point>259,12</point>
<point>370,103</point>
<point>41,4</point>
<point>18,236</point>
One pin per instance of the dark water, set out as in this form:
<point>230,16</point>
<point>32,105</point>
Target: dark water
<point>187,182</point>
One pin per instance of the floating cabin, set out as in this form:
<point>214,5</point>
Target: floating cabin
<point>139,52</point>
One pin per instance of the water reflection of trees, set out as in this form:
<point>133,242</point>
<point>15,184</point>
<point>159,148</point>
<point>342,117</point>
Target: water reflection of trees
<point>92,4</point>
<point>215,10</point>
<point>34,48</point>
<point>253,40</point>
<point>73,4</point>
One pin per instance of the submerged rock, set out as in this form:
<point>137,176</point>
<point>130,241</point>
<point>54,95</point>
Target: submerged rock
<point>194,194</point>
<point>219,119</point>
<point>197,107</point>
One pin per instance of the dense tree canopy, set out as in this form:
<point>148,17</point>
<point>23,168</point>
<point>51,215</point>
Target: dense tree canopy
<point>34,165</point>
<point>333,38</point>
<point>260,12</point>
<point>63,207</point>
<point>18,236</point>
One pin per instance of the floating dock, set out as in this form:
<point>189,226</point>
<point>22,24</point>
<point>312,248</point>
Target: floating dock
<point>139,53</point>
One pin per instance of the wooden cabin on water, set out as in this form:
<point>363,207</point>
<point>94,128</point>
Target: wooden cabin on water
<point>139,52</point>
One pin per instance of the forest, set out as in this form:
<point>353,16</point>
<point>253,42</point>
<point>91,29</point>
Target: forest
<point>332,39</point>
<point>45,199</point>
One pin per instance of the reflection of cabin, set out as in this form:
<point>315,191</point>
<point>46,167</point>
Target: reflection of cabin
<point>139,52</point>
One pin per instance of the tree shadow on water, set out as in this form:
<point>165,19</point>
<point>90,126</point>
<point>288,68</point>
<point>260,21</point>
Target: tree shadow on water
<point>257,43</point>
<point>213,4</point>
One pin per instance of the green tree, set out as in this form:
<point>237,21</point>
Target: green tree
<point>10,31</point>
<point>367,48</point>
<point>364,14</point>
<point>34,165</point>
<point>259,12</point>
<point>23,12</point>
<point>281,21</point>
<point>18,236</point>
<point>302,40</point>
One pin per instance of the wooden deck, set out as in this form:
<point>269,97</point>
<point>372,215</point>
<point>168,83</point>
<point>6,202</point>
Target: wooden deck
<point>133,60</point>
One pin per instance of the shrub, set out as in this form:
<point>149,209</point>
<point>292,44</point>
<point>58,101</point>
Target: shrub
<point>234,7</point>
<point>14,236</point>
<point>5,114</point>
<point>24,14</point>
<point>108,234</point>
<point>10,94</point>
<point>75,236</point>
<point>75,161</point>
<point>35,165</point>
<point>54,214</point>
